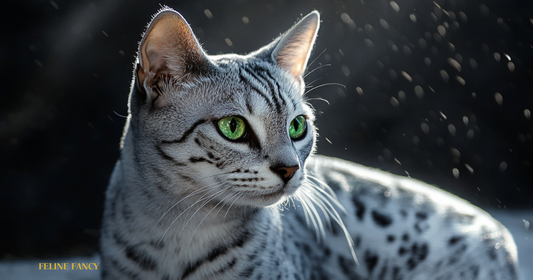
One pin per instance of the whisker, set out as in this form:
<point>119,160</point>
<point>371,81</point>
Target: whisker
<point>332,212</point>
<point>122,116</point>
<point>189,195</point>
<point>175,219</point>
<point>318,99</point>
<point>323,85</point>
<point>318,202</point>
<point>197,227</point>
<point>207,200</point>
<point>241,194</point>
<point>307,208</point>
<point>330,195</point>
<point>310,84</point>
<point>226,201</point>
<point>318,67</point>
<point>320,225</point>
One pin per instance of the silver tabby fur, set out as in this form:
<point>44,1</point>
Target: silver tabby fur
<point>185,203</point>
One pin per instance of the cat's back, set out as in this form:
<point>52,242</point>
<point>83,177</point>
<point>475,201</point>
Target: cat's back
<point>405,229</point>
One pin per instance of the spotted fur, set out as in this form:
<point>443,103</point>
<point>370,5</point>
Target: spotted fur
<point>184,202</point>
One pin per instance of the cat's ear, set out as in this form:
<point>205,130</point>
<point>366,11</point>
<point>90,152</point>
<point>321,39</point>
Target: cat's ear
<point>168,49</point>
<point>293,49</point>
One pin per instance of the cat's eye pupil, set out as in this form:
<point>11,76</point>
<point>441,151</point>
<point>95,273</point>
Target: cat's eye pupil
<point>297,128</point>
<point>232,125</point>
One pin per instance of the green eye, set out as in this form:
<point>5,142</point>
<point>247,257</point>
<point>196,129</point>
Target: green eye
<point>297,127</point>
<point>232,127</point>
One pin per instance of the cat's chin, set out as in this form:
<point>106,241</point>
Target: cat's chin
<point>265,200</point>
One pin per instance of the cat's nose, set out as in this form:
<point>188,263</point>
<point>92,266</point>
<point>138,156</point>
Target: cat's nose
<point>285,173</point>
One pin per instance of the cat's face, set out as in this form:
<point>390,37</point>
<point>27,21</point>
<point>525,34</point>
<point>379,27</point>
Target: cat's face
<point>235,128</point>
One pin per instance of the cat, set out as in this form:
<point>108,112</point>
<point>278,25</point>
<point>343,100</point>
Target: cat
<point>217,179</point>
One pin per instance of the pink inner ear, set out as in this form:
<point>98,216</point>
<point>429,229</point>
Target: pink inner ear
<point>155,58</point>
<point>169,46</point>
<point>295,47</point>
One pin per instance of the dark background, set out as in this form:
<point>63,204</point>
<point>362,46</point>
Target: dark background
<point>441,91</point>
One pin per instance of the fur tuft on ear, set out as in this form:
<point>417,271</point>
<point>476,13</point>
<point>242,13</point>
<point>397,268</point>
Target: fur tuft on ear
<point>167,50</point>
<point>293,49</point>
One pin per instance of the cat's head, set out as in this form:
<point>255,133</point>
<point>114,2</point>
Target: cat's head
<point>233,126</point>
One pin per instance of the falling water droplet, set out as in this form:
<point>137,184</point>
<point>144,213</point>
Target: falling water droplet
<point>406,76</point>
<point>384,24</point>
<point>503,166</point>
<point>451,129</point>
<point>444,75</point>
<point>208,14</point>
<point>455,172</point>
<point>395,6</point>
<point>425,128</point>
<point>454,64</point>
<point>511,66</point>
<point>419,91</point>
<point>499,98</point>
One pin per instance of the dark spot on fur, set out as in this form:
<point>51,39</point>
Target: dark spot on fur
<point>396,273</point>
<point>357,241</point>
<point>348,267</point>
<point>405,237</point>
<point>383,272</point>
<point>420,227</point>
<point>402,251</point>
<point>307,249</point>
<point>359,208</point>
<point>455,239</point>
<point>421,215</point>
<point>390,238</point>
<point>381,219</point>
<point>418,255</point>
<point>492,253</point>
<point>327,252</point>
<point>371,260</point>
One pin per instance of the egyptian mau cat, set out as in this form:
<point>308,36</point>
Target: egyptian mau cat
<point>217,180</point>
